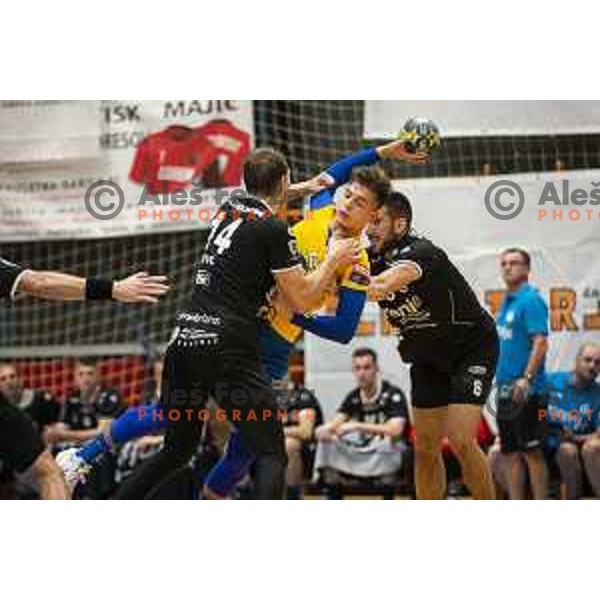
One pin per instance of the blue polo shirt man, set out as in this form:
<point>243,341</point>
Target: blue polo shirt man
<point>574,422</point>
<point>572,407</point>
<point>521,377</point>
<point>523,315</point>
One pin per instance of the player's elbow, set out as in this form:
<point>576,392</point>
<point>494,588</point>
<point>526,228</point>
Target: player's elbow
<point>346,336</point>
<point>349,326</point>
<point>38,283</point>
<point>33,282</point>
<point>541,344</point>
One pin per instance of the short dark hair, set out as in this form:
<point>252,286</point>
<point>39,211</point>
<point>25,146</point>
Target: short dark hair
<point>263,170</point>
<point>359,352</point>
<point>87,361</point>
<point>375,180</point>
<point>399,206</point>
<point>524,254</point>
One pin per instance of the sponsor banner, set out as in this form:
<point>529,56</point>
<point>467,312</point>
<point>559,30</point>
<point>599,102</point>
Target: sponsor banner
<point>564,244</point>
<point>160,165</point>
<point>462,118</point>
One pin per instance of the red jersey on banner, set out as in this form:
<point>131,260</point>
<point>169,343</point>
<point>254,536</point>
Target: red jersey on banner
<point>232,145</point>
<point>169,160</point>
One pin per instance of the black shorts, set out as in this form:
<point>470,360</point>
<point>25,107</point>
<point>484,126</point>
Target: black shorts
<point>520,425</point>
<point>237,383</point>
<point>466,379</point>
<point>20,442</point>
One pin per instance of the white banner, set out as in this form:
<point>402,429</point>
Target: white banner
<point>461,118</point>
<point>51,152</point>
<point>556,225</point>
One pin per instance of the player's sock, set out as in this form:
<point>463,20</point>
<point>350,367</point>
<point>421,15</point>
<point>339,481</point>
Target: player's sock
<point>231,468</point>
<point>137,422</point>
<point>91,450</point>
<point>133,423</point>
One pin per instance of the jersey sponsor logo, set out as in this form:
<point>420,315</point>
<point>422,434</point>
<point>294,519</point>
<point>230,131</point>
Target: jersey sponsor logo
<point>477,370</point>
<point>504,333</point>
<point>203,278</point>
<point>190,338</point>
<point>176,174</point>
<point>202,318</point>
<point>410,314</point>
<point>208,260</point>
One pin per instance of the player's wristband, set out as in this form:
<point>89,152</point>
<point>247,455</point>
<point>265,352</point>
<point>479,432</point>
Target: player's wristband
<point>98,289</point>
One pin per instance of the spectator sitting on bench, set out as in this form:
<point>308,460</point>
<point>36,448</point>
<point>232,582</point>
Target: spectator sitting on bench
<point>573,406</point>
<point>366,439</point>
<point>301,415</point>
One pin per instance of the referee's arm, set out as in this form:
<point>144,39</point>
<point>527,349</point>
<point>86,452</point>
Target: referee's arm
<point>53,285</point>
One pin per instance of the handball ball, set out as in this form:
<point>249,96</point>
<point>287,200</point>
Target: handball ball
<point>420,135</point>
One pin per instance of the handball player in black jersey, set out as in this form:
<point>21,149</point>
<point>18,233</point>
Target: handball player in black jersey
<point>214,349</point>
<point>448,338</point>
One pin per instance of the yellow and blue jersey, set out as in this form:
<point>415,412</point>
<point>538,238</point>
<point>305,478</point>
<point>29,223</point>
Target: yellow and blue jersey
<point>312,239</point>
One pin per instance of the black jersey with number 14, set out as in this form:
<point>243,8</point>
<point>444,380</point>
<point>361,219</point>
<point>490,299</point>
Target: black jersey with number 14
<point>246,245</point>
<point>437,315</point>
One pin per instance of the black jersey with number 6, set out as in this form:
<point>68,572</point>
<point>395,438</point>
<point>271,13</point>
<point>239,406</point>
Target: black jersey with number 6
<point>246,245</point>
<point>436,315</point>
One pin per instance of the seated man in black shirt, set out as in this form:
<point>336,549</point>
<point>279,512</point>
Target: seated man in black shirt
<point>42,410</point>
<point>301,414</point>
<point>367,436</point>
<point>39,404</point>
<point>87,410</point>
<point>450,341</point>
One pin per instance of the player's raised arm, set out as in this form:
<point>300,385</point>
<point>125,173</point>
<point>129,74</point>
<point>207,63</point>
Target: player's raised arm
<point>53,285</point>
<point>340,172</point>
